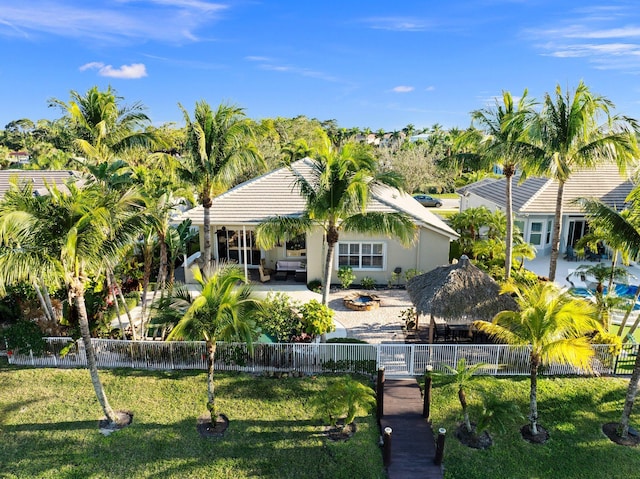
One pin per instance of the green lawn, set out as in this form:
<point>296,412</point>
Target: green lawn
<point>573,411</point>
<point>48,428</point>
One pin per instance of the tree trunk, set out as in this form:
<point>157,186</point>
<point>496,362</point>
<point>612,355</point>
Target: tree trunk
<point>160,283</point>
<point>211,394</point>
<point>83,320</point>
<point>632,390</point>
<point>124,301</point>
<point>47,300</point>
<point>614,262</point>
<point>533,396</point>
<point>148,260</point>
<point>43,305</point>
<point>557,228</point>
<point>112,290</point>
<point>628,313</point>
<point>465,413</point>
<point>508,173</point>
<point>206,204</point>
<point>332,239</point>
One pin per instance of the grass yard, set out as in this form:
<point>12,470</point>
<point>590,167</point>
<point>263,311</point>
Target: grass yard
<point>571,409</point>
<point>48,428</point>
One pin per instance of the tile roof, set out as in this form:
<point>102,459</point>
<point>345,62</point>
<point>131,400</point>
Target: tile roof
<point>36,177</point>
<point>275,193</point>
<point>538,195</point>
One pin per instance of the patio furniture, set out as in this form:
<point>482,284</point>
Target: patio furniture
<point>263,276</point>
<point>571,254</point>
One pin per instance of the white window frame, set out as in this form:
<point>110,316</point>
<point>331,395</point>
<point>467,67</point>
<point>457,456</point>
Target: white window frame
<point>539,233</point>
<point>336,259</point>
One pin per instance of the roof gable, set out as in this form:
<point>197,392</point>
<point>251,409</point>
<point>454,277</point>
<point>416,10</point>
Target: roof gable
<point>276,193</point>
<point>537,195</point>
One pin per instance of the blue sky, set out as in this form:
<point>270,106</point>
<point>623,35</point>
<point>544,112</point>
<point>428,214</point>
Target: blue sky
<point>377,64</point>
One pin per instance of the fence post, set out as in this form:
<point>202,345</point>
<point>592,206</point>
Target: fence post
<point>440,446</point>
<point>386,447</point>
<point>428,379</point>
<point>380,393</point>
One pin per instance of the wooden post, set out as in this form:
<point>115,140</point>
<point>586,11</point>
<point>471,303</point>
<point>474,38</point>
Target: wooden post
<point>386,447</point>
<point>432,328</point>
<point>440,446</point>
<point>380,393</point>
<point>428,380</point>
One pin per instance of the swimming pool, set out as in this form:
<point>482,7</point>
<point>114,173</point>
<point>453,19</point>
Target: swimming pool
<point>623,290</point>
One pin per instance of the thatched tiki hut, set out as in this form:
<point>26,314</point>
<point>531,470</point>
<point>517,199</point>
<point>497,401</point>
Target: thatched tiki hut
<point>457,293</point>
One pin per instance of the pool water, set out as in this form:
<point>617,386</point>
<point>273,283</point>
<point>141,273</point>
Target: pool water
<point>623,290</point>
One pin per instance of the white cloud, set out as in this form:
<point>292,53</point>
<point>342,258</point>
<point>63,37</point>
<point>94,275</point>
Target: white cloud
<point>404,24</point>
<point>111,21</point>
<point>402,89</point>
<point>430,88</point>
<point>129,72</point>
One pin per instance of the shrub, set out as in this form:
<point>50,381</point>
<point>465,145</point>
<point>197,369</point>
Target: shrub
<point>315,285</point>
<point>278,317</point>
<point>368,282</point>
<point>25,336</point>
<point>344,399</point>
<point>346,276</point>
<point>316,318</point>
<point>410,273</point>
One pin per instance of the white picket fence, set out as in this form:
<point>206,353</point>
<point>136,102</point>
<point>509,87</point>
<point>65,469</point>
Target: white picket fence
<point>398,360</point>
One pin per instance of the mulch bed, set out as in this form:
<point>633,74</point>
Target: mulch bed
<point>341,432</point>
<point>124,419</point>
<point>209,429</point>
<point>471,439</point>
<point>610,430</point>
<point>540,438</point>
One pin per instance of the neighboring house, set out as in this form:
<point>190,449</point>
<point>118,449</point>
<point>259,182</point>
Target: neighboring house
<point>19,157</point>
<point>236,213</point>
<point>534,202</point>
<point>38,178</point>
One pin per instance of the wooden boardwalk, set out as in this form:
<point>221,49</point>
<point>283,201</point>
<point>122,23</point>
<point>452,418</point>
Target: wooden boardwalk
<point>412,442</point>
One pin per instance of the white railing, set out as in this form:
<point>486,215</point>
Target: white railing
<point>399,360</point>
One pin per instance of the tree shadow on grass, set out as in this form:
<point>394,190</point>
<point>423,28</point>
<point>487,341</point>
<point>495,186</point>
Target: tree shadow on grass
<point>278,448</point>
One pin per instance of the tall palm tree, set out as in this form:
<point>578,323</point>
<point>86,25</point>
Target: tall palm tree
<point>103,124</point>
<point>219,144</point>
<point>68,237</point>
<point>222,311</point>
<point>336,195</point>
<point>623,230</point>
<point>566,136</point>
<point>553,324</point>
<point>504,126</point>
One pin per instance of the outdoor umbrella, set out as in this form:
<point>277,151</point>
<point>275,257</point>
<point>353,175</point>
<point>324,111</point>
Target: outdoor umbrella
<point>459,293</point>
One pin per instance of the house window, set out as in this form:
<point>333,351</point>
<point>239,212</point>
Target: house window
<point>296,247</point>
<point>362,255</point>
<point>549,225</point>
<point>535,236</point>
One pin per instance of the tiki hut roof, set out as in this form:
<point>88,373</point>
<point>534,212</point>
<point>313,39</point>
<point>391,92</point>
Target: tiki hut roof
<point>458,293</point>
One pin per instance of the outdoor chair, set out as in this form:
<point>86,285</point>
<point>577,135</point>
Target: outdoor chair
<point>571,254</point>
<point>443,332</point>
<point>263,276</point>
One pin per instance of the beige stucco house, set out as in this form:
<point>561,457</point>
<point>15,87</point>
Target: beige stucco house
<point>534,202</point>
<point>236,213</point>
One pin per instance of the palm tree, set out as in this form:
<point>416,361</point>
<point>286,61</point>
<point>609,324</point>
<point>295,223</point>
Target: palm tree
<point>219,147</point>
<point>504,126</point>
<point>222,311</point>
<point>566,135</point>
<point>103,124</point>
<point>553,324</point>
<point>68,237</point>
<point>461,375</point>
<point>336,195</point>
<point>623,230</point>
